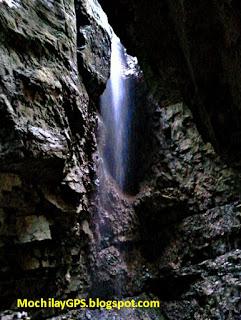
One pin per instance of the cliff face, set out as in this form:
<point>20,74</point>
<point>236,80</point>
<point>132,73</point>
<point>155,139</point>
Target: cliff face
<point>189,212</point>
<point>47,140</point>
<point>189,206</point>
<point>178,238</point>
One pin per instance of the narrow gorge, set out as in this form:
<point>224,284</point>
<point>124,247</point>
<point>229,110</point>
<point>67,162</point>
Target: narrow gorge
<point>120,171</point>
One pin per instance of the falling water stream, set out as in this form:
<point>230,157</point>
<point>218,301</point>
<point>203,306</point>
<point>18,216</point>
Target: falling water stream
<point>115,114</point>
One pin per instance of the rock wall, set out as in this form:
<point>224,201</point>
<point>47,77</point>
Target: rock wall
<point>191,51</point>
<point>178,238</point>
<point>47,138</point>
<point>189,212</point>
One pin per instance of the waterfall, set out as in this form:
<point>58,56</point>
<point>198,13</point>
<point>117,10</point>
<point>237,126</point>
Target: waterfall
<point>115,114</point>
<point>113,145</point>
<point>115,150</point>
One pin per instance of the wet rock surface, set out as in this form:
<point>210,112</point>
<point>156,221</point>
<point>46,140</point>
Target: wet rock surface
<point>46,143</point>
<point>179,237</point>
<point>190,222</point>
<point>93,46</point>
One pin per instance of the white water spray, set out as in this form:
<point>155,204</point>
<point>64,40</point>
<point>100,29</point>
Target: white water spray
<point>114,112</point>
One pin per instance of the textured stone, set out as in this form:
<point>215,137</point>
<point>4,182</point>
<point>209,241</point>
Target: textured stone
<point>189,211</point>
<point>32,228</point>
<point>93,45</point>
<point>179,236</point>
<point>47,125</point>
<point>189,52</point>
<point>8,181</point>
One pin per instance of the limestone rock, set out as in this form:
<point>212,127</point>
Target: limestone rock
<point>47,126</point>
<point>93,44</point>
<point>32,228</point>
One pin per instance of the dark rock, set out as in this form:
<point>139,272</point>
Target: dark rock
<point>189,52</point>
<point>189,213</point>
<point>65,228</point>
<point>93,46</point>
<point>46,144</point>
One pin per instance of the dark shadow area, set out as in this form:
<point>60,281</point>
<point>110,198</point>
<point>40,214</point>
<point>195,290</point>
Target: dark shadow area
<point>171,287</point>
